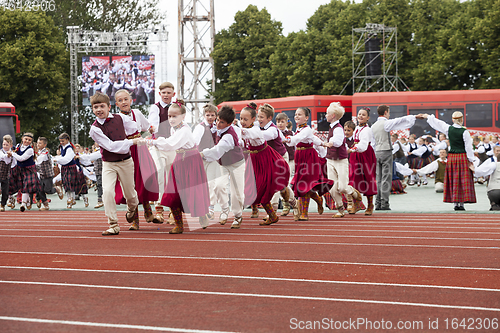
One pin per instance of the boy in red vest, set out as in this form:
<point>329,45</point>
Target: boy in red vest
<point>110,131</point>
<point>227,151</point>
<point>160,128</point>
<point>338,163</point>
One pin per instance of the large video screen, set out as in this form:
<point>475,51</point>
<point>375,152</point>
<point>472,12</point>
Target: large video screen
<point>108,74</point>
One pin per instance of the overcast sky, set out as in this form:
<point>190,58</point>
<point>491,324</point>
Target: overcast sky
<point>293,15</point>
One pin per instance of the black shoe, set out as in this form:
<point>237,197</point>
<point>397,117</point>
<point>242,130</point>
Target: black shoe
<point>383,208</point>
<point>495,207</point>
<point>459,208</point>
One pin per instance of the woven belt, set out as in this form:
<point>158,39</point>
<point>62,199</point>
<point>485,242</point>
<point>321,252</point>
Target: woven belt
<point>183,151</point>
<point>133,136</point>
<point>304,148</point>
<point>258,151</point>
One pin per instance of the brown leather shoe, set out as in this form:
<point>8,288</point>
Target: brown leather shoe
<point>176,230</point>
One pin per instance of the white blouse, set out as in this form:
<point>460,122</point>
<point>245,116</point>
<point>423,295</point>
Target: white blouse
<point>252,136</point>
<point>181,138</point>
<point>363,137</point>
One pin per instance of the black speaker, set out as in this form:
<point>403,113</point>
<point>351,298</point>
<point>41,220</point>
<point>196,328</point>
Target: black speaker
<point>373,61</point>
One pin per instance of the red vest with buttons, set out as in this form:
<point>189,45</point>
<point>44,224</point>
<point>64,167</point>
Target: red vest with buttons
<point>113,128</point>
<point>235,154</point>
<point>208,139</point>
<point>336,153</point>
<point>164,126</point>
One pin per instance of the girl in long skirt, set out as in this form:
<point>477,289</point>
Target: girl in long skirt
<point>309,175</point>
<point>187,186</point>
<point>266,167</point>
<point>362,161</point>
<point>145,177</point>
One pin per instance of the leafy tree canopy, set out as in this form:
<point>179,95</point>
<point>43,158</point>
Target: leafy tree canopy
<point>33,69</point>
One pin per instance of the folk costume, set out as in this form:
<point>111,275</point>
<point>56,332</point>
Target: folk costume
<point>491,167</point>
<point>111,136</point>
<point>267,169</point>
<point>5,167</point>
<point>158,119</point>
<point>309,175</point>
<point>95,158</point>
<point>274,138</point>
<point>458,179</point>
<point>438,166</point>
<point>227,151</point>
<point>187,185</point>
<point>45,168</point>
<point>383,153</point>
<point>205,136</point>
<point>145,173</point>
<point>27,177</point>
<point>338,171</point>
<point>362,164</point>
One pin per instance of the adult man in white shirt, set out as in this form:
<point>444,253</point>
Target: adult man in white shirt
<point>383,151</point>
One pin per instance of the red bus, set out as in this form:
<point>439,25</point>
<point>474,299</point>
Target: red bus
<point>7,115</point>
<point>288,105</point>
<point>480,108</point>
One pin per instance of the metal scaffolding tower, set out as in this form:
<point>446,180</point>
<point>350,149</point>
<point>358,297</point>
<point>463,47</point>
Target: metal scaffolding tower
<point>196,42</point>
<point>375,50</point>
<point>109,43</point>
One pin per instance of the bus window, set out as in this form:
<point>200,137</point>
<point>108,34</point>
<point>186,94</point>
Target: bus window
<point>291,116</point>
<point>323,125</point>
<point>478,115</point>
<point>421,126</point>
<point>498,116</point>
<point>446,114</point>
<point>373,113</point>
<point>397,111</point>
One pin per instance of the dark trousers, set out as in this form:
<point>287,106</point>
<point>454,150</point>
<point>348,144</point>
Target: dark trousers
<point>47,187</point>
<point>99,187</point>
<point>5,190</point>
<point>493,195</point>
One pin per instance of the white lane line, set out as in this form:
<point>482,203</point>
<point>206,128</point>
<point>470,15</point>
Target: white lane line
<point>230,232</point>
<point>107,325</point>
<point>256,241</point>
<point>287,235</point>
<point>329,221</point>
<point>280,279</point>
<point>294,261</point>
<point>216,293</point>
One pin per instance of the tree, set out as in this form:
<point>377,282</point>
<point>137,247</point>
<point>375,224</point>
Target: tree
<point>33,69</point>
<point>485,29</point>
<point>440,54</point>
<point>107,15</point>
<point>242,51</point>
<point>315,61</point>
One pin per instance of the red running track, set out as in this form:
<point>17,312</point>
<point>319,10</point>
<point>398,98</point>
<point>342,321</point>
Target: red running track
<point>387,272</point>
